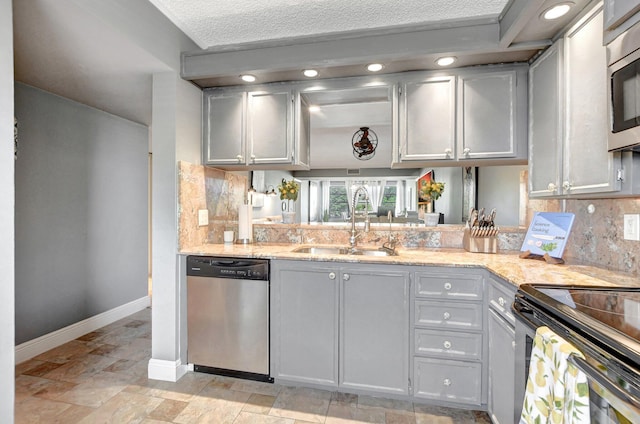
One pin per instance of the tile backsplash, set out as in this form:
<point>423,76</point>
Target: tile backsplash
<point>596,238</point>
<point>217,191</point>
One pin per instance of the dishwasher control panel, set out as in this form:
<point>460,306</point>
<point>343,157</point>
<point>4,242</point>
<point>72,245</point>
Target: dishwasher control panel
<point>236,268</point>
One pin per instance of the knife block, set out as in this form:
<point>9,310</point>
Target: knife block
<point>479,244</point>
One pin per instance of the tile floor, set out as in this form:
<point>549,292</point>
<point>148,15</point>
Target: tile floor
<point>101,378</point>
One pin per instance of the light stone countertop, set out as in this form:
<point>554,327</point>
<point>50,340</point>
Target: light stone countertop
<point>505,265</point>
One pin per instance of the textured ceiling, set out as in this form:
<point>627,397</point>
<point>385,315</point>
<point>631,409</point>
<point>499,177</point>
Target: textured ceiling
<point>232,22</point>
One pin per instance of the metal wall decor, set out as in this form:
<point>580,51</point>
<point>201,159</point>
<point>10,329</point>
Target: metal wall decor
<point>364,143</point>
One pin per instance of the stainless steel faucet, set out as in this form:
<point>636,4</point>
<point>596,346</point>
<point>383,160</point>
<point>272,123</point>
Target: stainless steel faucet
<point>390,245</point>
<point>354,233</point>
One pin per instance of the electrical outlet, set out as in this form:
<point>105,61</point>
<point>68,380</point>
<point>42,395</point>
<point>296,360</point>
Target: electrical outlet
<point>203,217</point>
<point>632,226</point>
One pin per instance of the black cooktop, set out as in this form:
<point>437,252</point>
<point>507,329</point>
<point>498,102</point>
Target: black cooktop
<point>607,315</point>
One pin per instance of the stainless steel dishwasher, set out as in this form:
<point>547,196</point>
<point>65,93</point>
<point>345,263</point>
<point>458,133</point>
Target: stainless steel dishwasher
<point>228,316</point>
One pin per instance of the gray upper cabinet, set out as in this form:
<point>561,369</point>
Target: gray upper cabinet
<point>263,128</point>
<point>224,127</point>
<point>545,124</point>
<point>471,116</point>
<point>619,15</point>
<point>374,331</point>
<point>488,124</point>
<point>427,126</point>
<point>568,117</point>
<point>588,168</point>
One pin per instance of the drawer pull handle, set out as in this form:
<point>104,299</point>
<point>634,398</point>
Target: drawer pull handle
<point>446,382</point>
<point>346,277</point>
<point>446,315</point>
<point>447,286</point>
<point>332,276</point>
<point>447,344</point>
<point>240,158</point>
<point>501,301</point>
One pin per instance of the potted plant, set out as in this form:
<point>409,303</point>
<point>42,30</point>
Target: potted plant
<point>289,192</point>
<point>430,191</point>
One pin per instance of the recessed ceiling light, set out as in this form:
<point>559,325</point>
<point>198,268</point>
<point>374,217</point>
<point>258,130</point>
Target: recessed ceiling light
<point>314,108</point>
<point>374,67</point>
<point>248,77</point>
<point>446,61</point>
<point>310,73</point>
<point>557,11</point>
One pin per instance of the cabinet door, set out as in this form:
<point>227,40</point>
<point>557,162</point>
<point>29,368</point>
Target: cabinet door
<point>617,11</point>
<point>488,115</point>
<point>374,337</point>
<point>304,323</point>
<point>223,132</point>
<point>270,127</point>
<point>545,126</point>
<point>501,371</point>
<point>588,167</point>
<point>427,120</point>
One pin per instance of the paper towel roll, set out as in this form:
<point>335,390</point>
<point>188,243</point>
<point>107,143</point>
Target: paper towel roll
<point>245,223</point>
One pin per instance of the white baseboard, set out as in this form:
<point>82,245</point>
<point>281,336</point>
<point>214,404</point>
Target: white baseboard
<point>35,347</point>
<point>159,369</point>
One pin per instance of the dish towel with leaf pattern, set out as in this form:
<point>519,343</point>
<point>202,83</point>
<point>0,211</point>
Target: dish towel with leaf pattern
<point>557,391</point>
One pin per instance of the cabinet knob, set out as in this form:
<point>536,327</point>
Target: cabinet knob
<point>566,186</point>
<point>447,286</point>
<point>448,152</point>
<point>446,382</point>
<point>332,276</point>
<point>466,151</point>
<point>239,157</point>
<point>447,344</point>
<point>253,158</point>
<point>346,277</point>
<point>552,187</point>
<point>446,315</point>
<point>501,301</point>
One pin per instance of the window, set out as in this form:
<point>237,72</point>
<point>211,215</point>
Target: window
<point>338,202</point>
<point>389,196</point>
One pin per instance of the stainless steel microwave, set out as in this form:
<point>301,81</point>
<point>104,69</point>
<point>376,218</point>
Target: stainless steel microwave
<point>623,88</point>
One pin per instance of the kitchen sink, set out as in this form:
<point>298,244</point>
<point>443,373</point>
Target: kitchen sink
<point>322,250</point>
<point>340,251</point>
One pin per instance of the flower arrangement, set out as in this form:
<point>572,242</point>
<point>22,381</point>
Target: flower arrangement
<point>288,190</point>
<point>431,190</point>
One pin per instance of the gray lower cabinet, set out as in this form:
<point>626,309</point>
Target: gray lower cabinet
<point>304,323</point>
<point>374,330</point>
<point>339,325</point>
<point>448,336</point>
<point>501,364</point>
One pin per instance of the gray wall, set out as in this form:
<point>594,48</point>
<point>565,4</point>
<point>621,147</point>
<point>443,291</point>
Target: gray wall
<point>81,212</point>
<point>7,357</point>
<point>499,187</point>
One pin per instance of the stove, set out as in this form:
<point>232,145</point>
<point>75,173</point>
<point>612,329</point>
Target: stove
<point>604,324</point>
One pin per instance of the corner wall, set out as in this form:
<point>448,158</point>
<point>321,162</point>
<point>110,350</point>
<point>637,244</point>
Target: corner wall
<point>7,253</point>
<point>81,212</point>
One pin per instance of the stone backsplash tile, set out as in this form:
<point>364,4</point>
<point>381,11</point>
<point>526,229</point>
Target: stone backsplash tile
<point>597,238</point>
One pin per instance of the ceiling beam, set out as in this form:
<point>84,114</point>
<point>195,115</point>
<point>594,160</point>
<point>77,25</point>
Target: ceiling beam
<point>519,14</point>
<point>343,51</point>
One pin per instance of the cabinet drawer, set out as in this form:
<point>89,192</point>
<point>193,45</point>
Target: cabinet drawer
<point>501,299</point>
<point>448,344</point>
<point>449,286</point>
<point>464,316</point>
<point>450,381</point>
